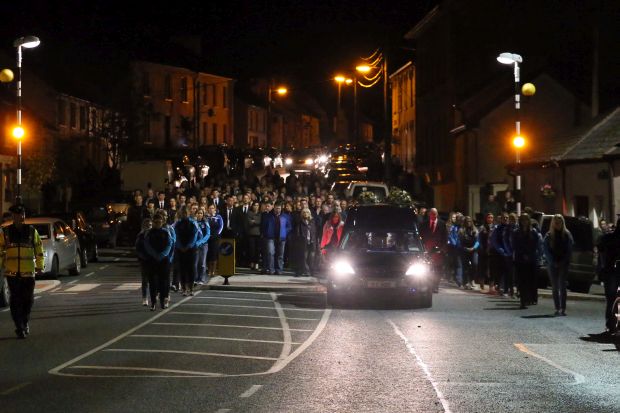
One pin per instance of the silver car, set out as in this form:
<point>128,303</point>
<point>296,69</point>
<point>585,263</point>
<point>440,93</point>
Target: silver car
<point>61,247</point>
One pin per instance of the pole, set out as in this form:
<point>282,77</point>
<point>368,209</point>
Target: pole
<point>387,123</point>
<point>356,137</point>
<point>268,138</point>
<point>18,198</point>
<point>518,130</point>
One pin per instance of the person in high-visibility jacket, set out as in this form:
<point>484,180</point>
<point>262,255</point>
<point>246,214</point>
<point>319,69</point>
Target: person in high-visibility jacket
<point>22,258</point>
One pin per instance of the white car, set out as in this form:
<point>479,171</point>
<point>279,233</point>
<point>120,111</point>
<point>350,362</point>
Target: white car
<point>61,247</point>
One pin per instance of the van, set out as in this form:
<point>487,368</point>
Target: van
<point>582,270</point>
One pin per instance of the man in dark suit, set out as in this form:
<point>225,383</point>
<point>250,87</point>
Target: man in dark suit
<point>161,200</point>
<point>435,238</point>
<point>217,201</point>
<point>232,217</point>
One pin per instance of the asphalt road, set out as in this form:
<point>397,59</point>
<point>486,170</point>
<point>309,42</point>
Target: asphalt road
<point>94,348</point>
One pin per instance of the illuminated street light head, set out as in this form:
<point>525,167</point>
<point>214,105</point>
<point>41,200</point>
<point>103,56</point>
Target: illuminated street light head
<point>518,142</point>
<point>281,91</point>
<point>348,81</point>
<point>509,58</point>
<point>27,42</point>
<point>363,68</point>
<point>18,132</point>
<point>340,79</point>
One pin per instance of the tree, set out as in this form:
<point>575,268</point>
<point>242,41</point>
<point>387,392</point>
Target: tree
<point>39,169</point>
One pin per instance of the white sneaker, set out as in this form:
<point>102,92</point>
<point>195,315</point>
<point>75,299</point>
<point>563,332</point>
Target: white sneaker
<point>145,302</point>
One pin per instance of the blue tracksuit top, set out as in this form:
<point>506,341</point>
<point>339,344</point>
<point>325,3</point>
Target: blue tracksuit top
<point>216,224</point>
<point>206,232</point>
<point>157,244</point>
<point>497,240</point>
<point>187,233</point>
<point>453,236</point>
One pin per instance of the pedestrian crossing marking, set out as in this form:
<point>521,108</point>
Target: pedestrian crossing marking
<point>82,287</point>
<point>128,286</point>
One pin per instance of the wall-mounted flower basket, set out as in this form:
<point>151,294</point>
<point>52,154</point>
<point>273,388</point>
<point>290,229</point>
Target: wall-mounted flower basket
<point>546,191</point>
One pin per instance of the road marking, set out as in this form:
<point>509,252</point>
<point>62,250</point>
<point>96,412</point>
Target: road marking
<point>56,370</point>
<point>231,298</point>
<point>128,286</point>
<point>103,267</point>
<point>243,315</point>
<point>209,338</point>
<point>197,353</point>
<point>82,288</point>
<point>72,282</point>
<point>286,334</point>
<point>251,391</point>
<point>14,389</point>
<point>89,274</point>
<point>222,411</point>
<point>36,297</point>
<point>199,373</point>
<point>254,306</point>
<point>55,289</point>
<point>227,326</point>
<point>5,310</point>
<point>578,377</point>
<point>117,259</point>
<point>409,345</point>
<point>239,292</point>
<point>63,293</point>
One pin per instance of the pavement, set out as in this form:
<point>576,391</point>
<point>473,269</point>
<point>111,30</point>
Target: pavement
<point>251,281</point>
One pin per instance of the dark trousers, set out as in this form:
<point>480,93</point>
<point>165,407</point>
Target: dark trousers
<point>304,259</point>
<point>187,266</point>
<point>144,272</point>
<point>557,276</point>
<point>611,287</point>
<point>483,268</point>
<point>254,248</point>
<point>496,268</point>
<point>22,298</point>
<point>158,273</point>
<point>527,283</point>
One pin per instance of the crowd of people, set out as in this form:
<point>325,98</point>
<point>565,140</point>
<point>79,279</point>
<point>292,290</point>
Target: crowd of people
<point>503,253</point>
<point>276,224</point>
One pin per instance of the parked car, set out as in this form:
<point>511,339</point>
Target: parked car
<point>105,223</point>
<point>61,246</point>
<point>78,222</point>
<point>380,255</point>
<point>582,271</point>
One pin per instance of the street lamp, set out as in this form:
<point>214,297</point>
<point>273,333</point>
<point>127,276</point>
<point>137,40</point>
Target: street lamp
<point>281,91</point>
<point>340,79</point>
<point>518,142</point>
<point>27,42</point>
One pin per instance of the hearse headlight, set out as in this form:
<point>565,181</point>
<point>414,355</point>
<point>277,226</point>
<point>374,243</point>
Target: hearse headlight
<point>342,268</point>
<point>418,270</point>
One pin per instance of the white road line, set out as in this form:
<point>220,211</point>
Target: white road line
<point>409,345</point>
<point>188,372</point>
<point>5,310</point>
<point>238,292</point>
<point>231,298</point>
<point>63,293</point>
<point>56,370</point>
<point>286,334</point>
<point>89,274</point>
<point>254,306</point>
<point>117,259</point>
<point>72,282</point>
<point>196,353</point>
<point>209,338</point>
<point>251,391</point>
<point>244,315</point>
<point>82,288</point>
<point>127,287</point>
<point>222,411</point>
<point>103,267</point>
<point>14,389</point>
<point>578,377</point>
<point>55,289</point>
<point>279,365</point>
<point>226,326</point>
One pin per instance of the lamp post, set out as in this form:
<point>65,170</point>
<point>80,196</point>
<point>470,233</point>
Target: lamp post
<point>280,91</point>
<point>340,79</point>
<point>27,42</point>
<point>518,141</point>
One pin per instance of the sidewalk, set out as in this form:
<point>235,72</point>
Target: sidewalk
<point>251,281</point>
<point>597,293</point>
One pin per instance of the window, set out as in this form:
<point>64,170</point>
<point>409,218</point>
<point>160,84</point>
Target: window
<point>183,89</point>
<point>375,241</point>
<point>204,133</point>
<point>205,94</point>
<point>214,133</point>
<point>82,117</point>
<point>224,97</point>
<point>62,112</point>
<point>146,84</point>
<point>225,133</point>
<point>168,87</point>
<point>213,95</point>
<point>73,115</point>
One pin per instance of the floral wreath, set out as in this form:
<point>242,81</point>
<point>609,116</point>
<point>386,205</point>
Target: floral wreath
<point>367,197</point>
<point>399,197</point>
<point>547,191</point>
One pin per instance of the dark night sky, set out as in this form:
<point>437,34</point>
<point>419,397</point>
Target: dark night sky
<point>301,42</point>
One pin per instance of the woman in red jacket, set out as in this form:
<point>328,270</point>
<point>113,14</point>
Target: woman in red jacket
<point>332,231</point>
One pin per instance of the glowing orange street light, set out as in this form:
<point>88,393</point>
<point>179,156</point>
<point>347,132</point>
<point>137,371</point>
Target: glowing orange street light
<point>18,132</point>
<point>281,91</point>
<point>518,142</point>
<point>363,68</point>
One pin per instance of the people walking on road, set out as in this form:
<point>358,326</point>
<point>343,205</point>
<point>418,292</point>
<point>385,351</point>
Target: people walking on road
<point>508,279</point>
<point>498,256</point>
<point>216,225</point>
<point>558,248</point>
<point>158,246</point>
<point>253,218</point>
<point>455,263</point>
<point>484,252</point>
<point>527,250</point>
<point>304,244</point>
<point>435,238</point>
<point>188,235</point>
<point>468,245</point>
<point>147,224</point>
<point>22,258</point>
<point>609,274</point>
<point>203,248</point>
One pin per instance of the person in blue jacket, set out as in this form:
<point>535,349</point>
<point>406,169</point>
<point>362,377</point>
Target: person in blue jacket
<point>453,250</point>
<point>157,246</point>
<point>499,254</point>
<point>147,223</point>
<point>203,247</point>
<point>468,245</point>
<point>188,235</point>
<point>275,228</point>
<point>216,225</point>
<point>558,248</point>
<point>527,248</point>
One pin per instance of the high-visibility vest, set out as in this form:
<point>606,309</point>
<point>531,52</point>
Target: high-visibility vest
<point>21,251</point>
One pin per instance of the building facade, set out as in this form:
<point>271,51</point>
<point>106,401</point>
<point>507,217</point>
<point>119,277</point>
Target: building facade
<point>404,115</point>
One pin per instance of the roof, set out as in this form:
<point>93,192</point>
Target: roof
<point>596,140</point>
<point>423,24</point>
